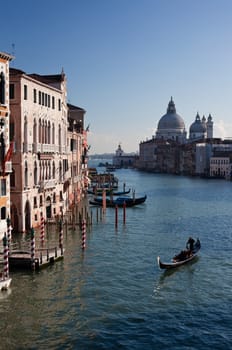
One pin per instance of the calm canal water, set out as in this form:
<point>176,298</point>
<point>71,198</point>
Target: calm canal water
<point>113,295</point>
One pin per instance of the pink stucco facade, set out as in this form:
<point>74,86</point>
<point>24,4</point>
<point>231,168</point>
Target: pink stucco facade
<point>42,177</point>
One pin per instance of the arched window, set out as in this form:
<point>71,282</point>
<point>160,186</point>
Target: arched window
<point>25,130</point>
<point>35,132</point>
<point>53,170</point>
<point>43,132</point>
<point>49,133</point>
<point>49,170</point>
<point>40,171</point>
<point>35,174</point>
<point>59,137</point>
<point>46,170</point>
<point>53,134</point>
<point>2,88</point>
<point>40,132</point>
<point>60,171</point>
<point>43,171</point>
<point>3,213</point>
<point>26,175</point>
<point>46,132</point>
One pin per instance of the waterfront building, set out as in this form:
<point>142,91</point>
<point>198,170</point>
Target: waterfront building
<point>210,157</point>
<point>220,167</point>
<point>77,156</point>
<point>122,159</point>
<point>38,127</point>
<point>202,158</point>
<point>169,150</point>
<point>5,147</point>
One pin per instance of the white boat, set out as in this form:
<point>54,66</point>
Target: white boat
<point>5,283</point>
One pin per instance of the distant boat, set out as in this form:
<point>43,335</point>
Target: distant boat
<point>120,201</point>
<point>182,258</point>
<point>110,168</point>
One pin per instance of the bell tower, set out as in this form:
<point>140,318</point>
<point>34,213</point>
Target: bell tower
<point>209,127</point>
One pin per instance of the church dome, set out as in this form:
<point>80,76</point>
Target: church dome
<point>198,126</point>
<point>171,120</point>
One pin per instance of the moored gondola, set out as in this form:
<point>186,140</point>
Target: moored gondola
<point>120,201</point>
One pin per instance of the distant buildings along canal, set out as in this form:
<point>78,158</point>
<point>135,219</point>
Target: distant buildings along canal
<point>170,151</point>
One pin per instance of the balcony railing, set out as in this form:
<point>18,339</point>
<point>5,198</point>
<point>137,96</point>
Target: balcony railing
<point>46,184</point>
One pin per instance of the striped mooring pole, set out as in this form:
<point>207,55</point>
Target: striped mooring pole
<point>9,229</point>
<point>61,236</point>
<point>42,230</point>
<point>32,249</point>
<point>83,226</point>
<point>6,257</point>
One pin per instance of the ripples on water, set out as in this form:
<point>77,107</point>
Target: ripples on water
<point>113,296</point>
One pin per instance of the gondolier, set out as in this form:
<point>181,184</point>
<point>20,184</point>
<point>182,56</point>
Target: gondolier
<point>190,243</point>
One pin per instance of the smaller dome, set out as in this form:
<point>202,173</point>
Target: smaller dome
<point>198,126</point>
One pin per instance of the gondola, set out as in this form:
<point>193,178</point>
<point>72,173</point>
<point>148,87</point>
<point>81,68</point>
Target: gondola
<point>182,258</point>
<point>119,202</point>
<point>99,192</point>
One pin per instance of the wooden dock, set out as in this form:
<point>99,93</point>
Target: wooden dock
<point>21,259</point>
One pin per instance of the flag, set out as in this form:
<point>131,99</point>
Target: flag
<point>9,152</point>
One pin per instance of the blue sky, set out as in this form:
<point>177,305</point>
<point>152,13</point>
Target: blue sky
<point>124,59</point>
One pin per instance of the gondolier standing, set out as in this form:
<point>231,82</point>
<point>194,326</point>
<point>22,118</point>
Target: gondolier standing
<point>190,243</point>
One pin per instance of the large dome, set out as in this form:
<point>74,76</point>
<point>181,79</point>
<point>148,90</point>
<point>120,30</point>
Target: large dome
<point>171,120</point>
<point>171,126</point>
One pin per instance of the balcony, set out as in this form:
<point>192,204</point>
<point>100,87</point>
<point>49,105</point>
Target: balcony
<point>47,184</point>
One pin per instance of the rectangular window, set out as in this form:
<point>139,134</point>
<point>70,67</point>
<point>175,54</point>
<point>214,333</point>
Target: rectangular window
<point>35,202</point>
<point>12,131</point>
<point>3,187</point>
<point>53,102</point>
<point>59,105</point>
<point>39,97</point>
<point>35,95</point>
<point>49,102</point>
<point>12,91</point>
<point>25,92</point>
<point>3,213</point>
<point>42,98</point>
